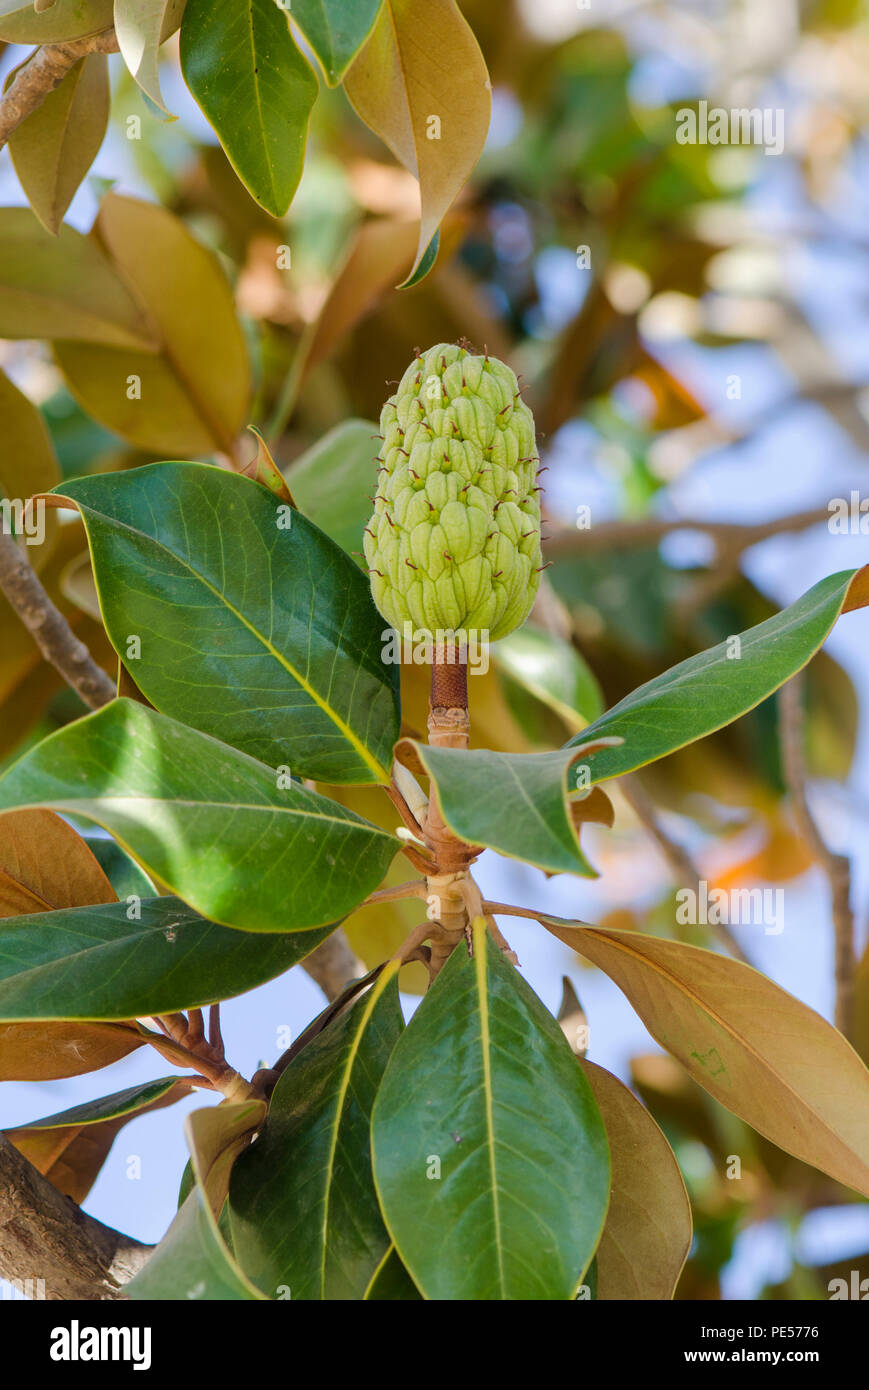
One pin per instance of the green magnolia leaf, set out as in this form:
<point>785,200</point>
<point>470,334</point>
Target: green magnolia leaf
<point>188,394</point>
<point>192,1262</point>
<point>141,27</point>
<point>331,482</point>
<point>715,687</point>
<point>71,1147</point>
<point>553,671</point>
<point>123,873</point>
<point>242,65</point>
<point>391,1282</point>
<point>516,803</point>
<point>96,963</point>
<point>64,20</point>
<point>62,287</point>
<point>493,1181</point>
<point>335,30</point>
<point>303,1210</point>
<point>762,1053</point>
<point>285,659</point>
<point>211,823</point>
<point>55,146</point>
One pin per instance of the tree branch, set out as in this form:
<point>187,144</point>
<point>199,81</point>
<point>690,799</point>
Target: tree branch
<point>835,866</point>
<point>45,71</point>
<point>334,964</point>
<point>49,628</point>
<point>44,1235</point>
<point>730,537</point>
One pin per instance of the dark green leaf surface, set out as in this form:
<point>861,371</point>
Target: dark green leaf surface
<point>93,1112</point>
<point>242,65</point>
<point>391,1282</point>
<point>191,1262</point>
<point>515,803</point>
<point>335,30</point>
<point>484,1081</point>
<point>265,637</point>
<point>211,823</point>
<point>713,688</point>
<point>303,1209</point>
<point>70,1148</point>
<point>94,963</point>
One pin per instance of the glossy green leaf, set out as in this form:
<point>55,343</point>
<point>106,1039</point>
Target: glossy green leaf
<point>715,687</point>
<point>55,146</point>
<point>331,482</point>
<point>648,1230</point>
<point>96,963</point>
<point>516,803</point>
<point>64,20</point>
<point>192,1263</point>
<point>71,1147</point>
<point>769,1058</point>
<point>253,625</point>
<point>391,1282</point>
<point>303,1209</point>
<point>553,671</point>
<point>210,822</point>
<point>335,30</point>
<point>62,287</point>
<point>141,27</point>
<point>241,63</point>
<point>123,873</point>
<point>490,1156</point>
<point>190,393</point>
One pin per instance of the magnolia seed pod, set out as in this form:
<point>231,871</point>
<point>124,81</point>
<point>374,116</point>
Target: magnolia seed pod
<point>453,543</point>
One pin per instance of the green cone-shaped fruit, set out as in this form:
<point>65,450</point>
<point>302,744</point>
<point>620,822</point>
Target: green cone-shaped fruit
<point>454,541</point>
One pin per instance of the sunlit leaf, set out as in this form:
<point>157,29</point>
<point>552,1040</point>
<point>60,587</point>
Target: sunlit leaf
<point>210,822</point>
<point>493,1184</point>
<point>141,26</point>
<point>715,687</point>
<point>63,287</point>
<point>192,1262</point>
<point>71,1147</point>
<point>766,1056</point>
<point>647,1234</point>
<point>241,63</point>
<point>287,659</point>
<point>99,963</point>
<point>335,30</point>
<point>421,84</point>
<point>64,20</point>
<point>55,146</point>
<point>191,395</point>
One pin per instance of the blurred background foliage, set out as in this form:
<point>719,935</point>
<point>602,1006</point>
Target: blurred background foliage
<point>690,323</point>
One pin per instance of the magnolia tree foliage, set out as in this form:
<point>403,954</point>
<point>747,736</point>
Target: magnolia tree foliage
<point>258,760</point>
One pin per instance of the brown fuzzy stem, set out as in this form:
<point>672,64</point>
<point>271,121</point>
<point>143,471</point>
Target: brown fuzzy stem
<point>449,681</point>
